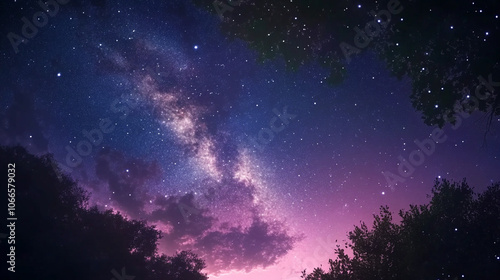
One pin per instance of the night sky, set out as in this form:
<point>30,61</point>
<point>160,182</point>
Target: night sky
<point>259,170</point>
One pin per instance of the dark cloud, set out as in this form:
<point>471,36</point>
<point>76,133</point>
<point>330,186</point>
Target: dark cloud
<point>183,215</point>
<point>222,223</point>
<point>259,245</point>
<point>238,245</point>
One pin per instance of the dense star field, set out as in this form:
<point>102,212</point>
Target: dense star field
<point>258,164</point>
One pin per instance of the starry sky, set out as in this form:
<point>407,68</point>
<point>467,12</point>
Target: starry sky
<point>259,170</point>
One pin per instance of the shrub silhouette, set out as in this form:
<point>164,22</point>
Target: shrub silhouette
<point>455,236</point>
<point>59,237</point>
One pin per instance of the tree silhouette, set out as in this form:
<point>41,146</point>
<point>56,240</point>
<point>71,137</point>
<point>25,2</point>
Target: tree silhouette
<point>185,265</point>
<point>447,48</point>
<point>456,235</point>
<point>59,237</point>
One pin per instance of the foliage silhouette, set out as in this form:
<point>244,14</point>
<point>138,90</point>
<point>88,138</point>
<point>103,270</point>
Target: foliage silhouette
<point>59,237</point>
<point>456,235</point>
<point>447,48</point>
